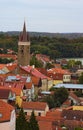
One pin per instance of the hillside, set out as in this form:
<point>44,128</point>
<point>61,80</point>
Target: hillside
<point>44,34</point>
<point>53,45</point>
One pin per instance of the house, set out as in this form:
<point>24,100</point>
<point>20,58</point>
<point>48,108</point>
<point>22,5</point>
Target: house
<point>37,84</point>
<point>40,108</point>
<point>63,62</point>
<point>43,58</point>
<point>74,98</point>
<point>19,94</point>
<point>72,118</point>
<point>10,56</point>
<point>50,121</point>
<point>28,91</point>
<point>1,69</point>
<point>12,68</point>
<point>70,87</point>
<point>66,104</point>
<point>79,72</point>
<point>32,71</point>
<point>7,116</point>
<point>59,75</point>
<point>11,94</point>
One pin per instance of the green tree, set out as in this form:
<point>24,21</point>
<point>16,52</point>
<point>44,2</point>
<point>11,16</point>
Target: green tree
<point>71,63</point>
<point>21,122</point>
<point>78,62</point>
<point>35,62</point>
<point>33,122</point>
<point>81,79</point>
<point>49,66</point>
<point>78,128</point>
<point>79,93</point>
<point>50,101</point>
<point>60,95</point>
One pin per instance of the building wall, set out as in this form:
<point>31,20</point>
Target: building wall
<point>67,78</point>
<point>50,84</point>
<point>43,112</point>
<point>57,82</point>
<point>5,126</point>
<point>74,101</point>
<point>10,125</point>
<point>5,100</point>
<point>13,121</point>
<point>78,108</point>
<point>23,53</point>
<point>19,99</point>
<point>44,84</point>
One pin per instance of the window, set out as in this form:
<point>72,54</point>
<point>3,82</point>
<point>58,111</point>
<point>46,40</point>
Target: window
<point>25,113</point>
<point>39,114</point>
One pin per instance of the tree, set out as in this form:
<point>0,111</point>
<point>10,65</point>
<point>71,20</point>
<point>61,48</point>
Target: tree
<point>78,128</point>
<point>81,79</point>
<point>50,101</point>
<point>60,95</point>
<point>21,122</point>
<point>49,65</point>
<point>35,62</point>
<point>33,122</point>
<point>71,63</point>
<point>79,93</point>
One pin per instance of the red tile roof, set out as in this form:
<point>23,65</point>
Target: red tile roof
<point>5,110</point>
<point>17,91</point>
<point>43,58</point>
<point>42,70</point>
<point>44,125</point>
<point>58,70</point>
<point>35,80</point>
<point>34,105</point>
<point>72,114</point>
<point>8,56</point>
<point>11,66</point>
<point>2,66</point>
<point>14,84</point>
<point>4,93</point>
<point>67,102</point>
<point>28,85</point>
<point>55,113</point>
<point>57,65</point>
<point>33,71</point>
<point>74,96</point>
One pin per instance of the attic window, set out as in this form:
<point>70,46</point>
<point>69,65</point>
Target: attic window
<point>0,115</point>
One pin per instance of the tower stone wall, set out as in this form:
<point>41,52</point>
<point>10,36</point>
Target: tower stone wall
<point>24,48</point>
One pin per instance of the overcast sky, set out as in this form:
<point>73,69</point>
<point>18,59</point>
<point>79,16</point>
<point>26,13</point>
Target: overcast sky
<point>42,15</point>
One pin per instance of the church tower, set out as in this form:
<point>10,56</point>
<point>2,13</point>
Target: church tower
<point>24,48</point>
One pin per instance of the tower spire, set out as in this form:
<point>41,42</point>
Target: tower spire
<point>24,37</point>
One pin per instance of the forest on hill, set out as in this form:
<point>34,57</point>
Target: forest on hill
<point>55,47</point>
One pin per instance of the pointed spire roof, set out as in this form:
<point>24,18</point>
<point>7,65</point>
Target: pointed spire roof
<point>24,37</point>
